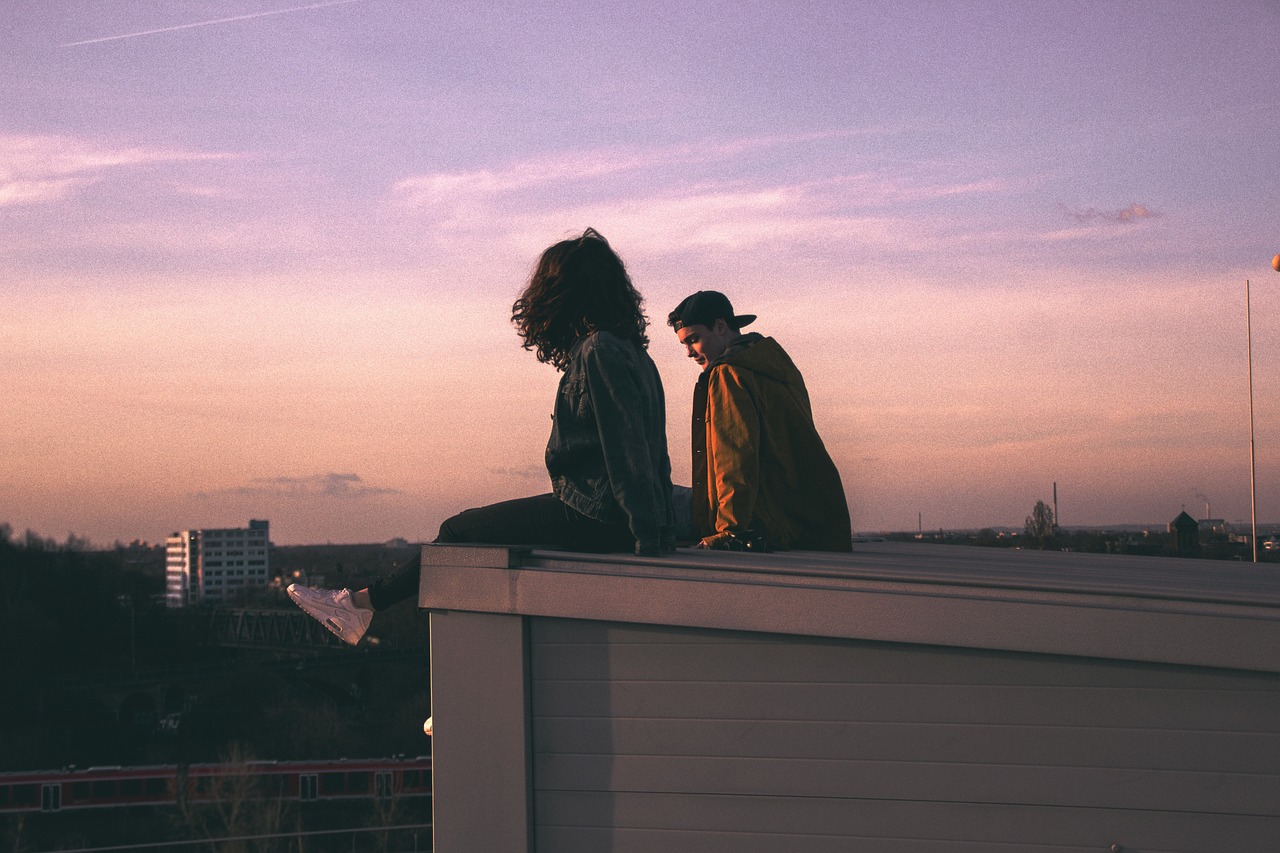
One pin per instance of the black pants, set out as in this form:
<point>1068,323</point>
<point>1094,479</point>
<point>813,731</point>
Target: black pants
<point>543,521</point>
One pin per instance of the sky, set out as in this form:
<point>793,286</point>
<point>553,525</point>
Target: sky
<point>257,257</point>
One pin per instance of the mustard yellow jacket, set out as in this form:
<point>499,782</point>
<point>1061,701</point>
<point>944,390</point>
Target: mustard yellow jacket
<point>758,461</point>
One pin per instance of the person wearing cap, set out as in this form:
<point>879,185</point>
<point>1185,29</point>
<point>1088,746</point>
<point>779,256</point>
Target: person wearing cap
<point>762,478</point>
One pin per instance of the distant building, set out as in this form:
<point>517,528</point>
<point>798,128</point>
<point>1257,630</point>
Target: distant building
<point>1186,532</point>
<point>212,566</point>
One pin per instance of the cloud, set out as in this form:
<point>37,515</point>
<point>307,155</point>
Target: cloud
<point>16,190</point>
<point>527,472</point>
<point>331,485</point>
<point>714,217</point>
<point>675,197</point>
<point>231,240</point>
<point>459,189</point>
<point>39,169</point>
<point>1132,213</point>
<point>435,191</point>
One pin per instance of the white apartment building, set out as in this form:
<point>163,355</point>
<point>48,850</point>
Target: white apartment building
<point>212,566</point>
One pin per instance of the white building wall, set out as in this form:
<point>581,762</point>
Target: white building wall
<point>182,575</point>
<point>213,565</point>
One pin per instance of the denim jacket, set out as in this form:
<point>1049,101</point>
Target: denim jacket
<point>607,455</point>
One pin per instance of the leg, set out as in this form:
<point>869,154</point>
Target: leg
<point>543,520</point>
<point>682,498</point>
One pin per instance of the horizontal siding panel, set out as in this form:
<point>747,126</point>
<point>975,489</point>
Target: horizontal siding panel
<point>925,703</point>
<point>575,649</point>
<point>1218,793</point>
<point>547,631</point>
<point>692,740</point>
<point>572,839</point>
<point>800,661</point>
<point>701,824</point>
<point>1054,746</point>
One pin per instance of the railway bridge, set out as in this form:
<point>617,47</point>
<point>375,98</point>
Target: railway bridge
<point>274,643</point>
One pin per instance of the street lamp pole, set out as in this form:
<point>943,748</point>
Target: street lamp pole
<point>1253,483</point>
<point>1253,487</point>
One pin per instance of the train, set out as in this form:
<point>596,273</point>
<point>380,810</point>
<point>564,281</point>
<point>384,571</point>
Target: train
<point>169,784</point>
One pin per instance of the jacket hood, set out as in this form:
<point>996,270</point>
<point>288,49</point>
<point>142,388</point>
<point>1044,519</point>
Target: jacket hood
<point>761,355</point>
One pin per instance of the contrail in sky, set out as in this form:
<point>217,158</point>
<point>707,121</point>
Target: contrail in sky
<point>215,21</point>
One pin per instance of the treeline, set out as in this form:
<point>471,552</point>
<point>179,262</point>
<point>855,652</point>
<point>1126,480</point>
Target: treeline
<point>98,671</point>
<point>65,608</point>
<point>70,618</point>
<point>1213,546</point>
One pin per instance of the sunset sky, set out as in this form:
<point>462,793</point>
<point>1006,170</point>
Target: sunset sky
<point>257,258</point>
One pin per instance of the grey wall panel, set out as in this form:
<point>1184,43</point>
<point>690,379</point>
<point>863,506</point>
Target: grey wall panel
<point>479,700</point>
<point>706,824</point>
<point>630,713</point>
<point>655,652</point>
<point>924,703</point>
<point>1224,752</point>
<point>935,781</point>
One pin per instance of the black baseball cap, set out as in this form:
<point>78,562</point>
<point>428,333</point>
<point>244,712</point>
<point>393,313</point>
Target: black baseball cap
<point>704,308</point>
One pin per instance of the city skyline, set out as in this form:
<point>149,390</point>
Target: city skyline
<point>258,258</point>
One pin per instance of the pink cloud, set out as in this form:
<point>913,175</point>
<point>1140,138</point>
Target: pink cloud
<point>39,169</point>
<point>1132,213</point>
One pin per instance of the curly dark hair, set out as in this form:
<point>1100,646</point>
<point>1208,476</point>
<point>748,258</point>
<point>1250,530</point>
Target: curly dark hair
<point>579,286</point>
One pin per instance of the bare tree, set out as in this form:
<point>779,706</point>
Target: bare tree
<point>1041,528</point>
<point>235,806</point>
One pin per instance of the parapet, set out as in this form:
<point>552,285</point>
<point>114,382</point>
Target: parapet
<point>904,691</point>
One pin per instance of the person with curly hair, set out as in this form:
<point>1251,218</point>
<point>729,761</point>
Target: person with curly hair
<point>607,455</point>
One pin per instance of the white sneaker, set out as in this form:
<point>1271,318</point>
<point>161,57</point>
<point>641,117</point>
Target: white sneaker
<point>333,609</point>
<point>426,727</point>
